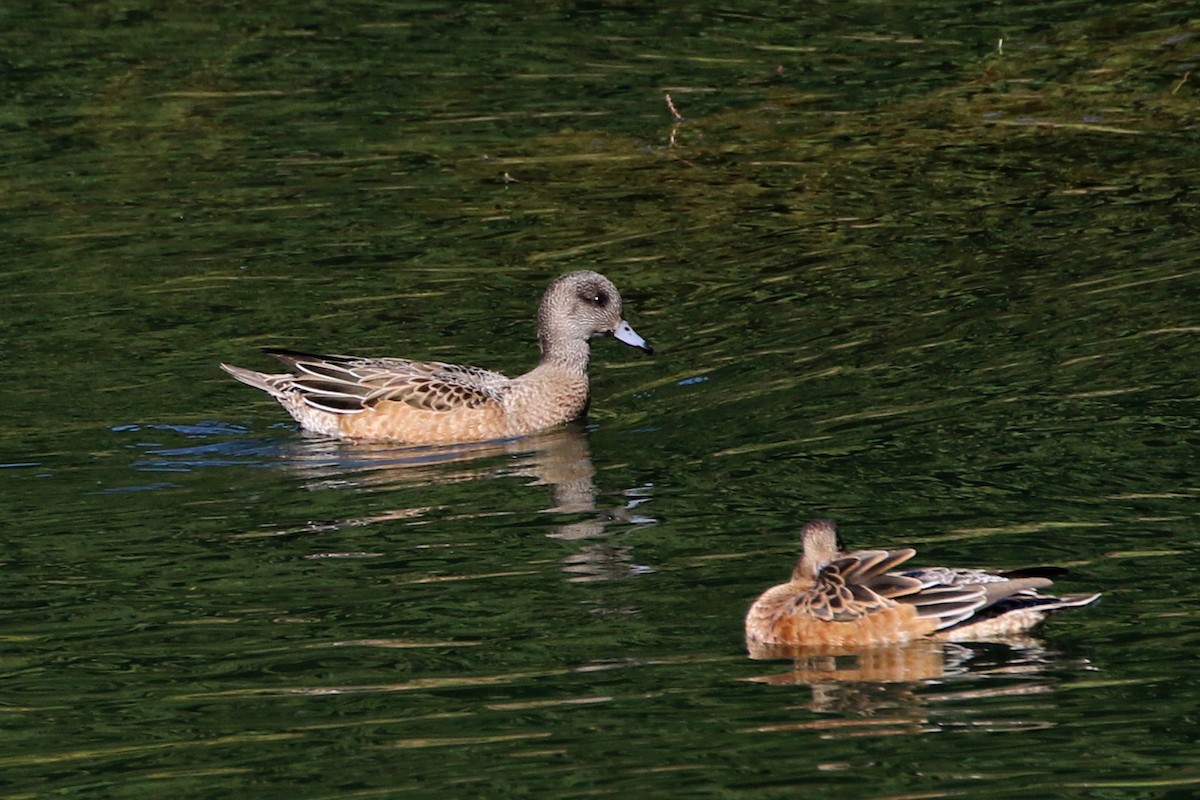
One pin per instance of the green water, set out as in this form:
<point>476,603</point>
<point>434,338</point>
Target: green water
<point>932,272</point>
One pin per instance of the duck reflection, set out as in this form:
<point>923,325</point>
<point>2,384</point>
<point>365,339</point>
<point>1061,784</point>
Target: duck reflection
<point>559,460</point>
<point>916,661</point>
<point>890,684</point>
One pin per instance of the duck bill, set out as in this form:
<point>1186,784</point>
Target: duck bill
<point>625,333</point>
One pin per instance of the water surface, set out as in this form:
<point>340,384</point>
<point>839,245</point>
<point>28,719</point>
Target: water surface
<point>931,273</point>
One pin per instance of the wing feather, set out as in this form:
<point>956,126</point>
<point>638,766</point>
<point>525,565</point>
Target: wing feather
<point>856,585</point>
<point>348,384</point>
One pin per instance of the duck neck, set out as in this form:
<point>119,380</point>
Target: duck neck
<point>568,354</point>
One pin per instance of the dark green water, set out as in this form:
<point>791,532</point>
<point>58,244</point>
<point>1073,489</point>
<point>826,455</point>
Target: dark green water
<point>943,289</point>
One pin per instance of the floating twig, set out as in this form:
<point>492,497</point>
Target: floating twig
<point>1178,84</point>
<point>675,116</point>
<point>674,111</point>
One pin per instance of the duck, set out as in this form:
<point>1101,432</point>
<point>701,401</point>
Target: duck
<point>861,599</point>
<point>435,403</point>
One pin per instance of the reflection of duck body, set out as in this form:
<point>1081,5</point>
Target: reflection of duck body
<point>888,689</point>
<point>860,599</point>
<point>430,402</point>
<point>558,460</point>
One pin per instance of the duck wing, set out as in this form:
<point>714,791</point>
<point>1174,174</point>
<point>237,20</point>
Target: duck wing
<point>350,384</point>
<point>1010,601</point>
<point>855,585</point>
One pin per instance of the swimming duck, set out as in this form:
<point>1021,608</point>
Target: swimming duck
<point>838,599</point>
<point>431,402</point>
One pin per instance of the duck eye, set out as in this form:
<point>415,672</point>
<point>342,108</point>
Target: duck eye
<point>599,299</point>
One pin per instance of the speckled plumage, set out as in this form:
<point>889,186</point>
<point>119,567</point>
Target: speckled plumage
<point>843,599</point>
<point>431,402</point>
